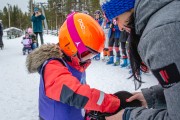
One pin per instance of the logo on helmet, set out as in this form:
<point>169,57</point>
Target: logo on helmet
<point>82,25</point>
<point>77,43</point>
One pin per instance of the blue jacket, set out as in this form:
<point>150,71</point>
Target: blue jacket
<point>100,21</point>
<point>37,23</point>
<point>53,110</point>
<point>117,32</point>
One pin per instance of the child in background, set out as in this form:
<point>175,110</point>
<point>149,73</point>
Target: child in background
<point>123,40</point>
<point>27,41</point>
<point>114,35</point>
<point>106,27</point>
<point>99,19</point>
<point>33,37</point>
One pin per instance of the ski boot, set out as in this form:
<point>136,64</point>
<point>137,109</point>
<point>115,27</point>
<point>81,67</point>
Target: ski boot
<point>111,60</point>
<point>97,57</point>
<point>105,58</point>
<point>125,62</point>
<point>117,61</point>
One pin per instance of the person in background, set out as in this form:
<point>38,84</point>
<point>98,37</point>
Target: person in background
<point>85,12</point>
<point>123,40</point>
<point>114,35</point>
<point>33,37</point>
<point>63,92</point>
<point>99,19</point>
<point>106,27</point>
<point>1,35</point>
<point>154,28</point>
<point>27,41</point>
<point>37,19</point>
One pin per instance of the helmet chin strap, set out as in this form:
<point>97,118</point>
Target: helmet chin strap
<point>74,34</point>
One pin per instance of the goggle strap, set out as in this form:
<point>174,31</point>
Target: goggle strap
<point>74,34</point>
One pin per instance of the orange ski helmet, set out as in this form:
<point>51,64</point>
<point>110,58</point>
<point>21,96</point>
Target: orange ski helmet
<point>81,34</point>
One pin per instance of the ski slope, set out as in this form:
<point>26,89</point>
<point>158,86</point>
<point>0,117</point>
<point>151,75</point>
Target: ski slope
<point>19,90</point>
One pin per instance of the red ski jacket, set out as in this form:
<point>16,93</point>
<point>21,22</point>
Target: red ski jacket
<point>56,75</point>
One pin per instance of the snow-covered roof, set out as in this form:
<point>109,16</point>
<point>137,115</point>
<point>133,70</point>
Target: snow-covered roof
<point>7,29</point>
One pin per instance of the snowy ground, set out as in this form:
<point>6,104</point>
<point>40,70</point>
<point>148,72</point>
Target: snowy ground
<point>19,90</point>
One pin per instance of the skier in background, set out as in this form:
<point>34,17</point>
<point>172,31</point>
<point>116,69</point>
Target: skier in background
<point>1,35</point>
<point>99,19</point>
<point>114,35</point>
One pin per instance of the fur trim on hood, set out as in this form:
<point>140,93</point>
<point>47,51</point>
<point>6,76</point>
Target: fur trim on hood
<point>35,59</point>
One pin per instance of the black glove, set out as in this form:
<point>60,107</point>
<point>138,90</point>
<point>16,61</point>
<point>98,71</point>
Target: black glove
<point>122,95</point>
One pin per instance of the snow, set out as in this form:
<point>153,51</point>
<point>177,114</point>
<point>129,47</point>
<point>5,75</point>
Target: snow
<point>19,90</point>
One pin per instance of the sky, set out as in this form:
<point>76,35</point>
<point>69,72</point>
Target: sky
<point>22,4</point>
<point>19,90</point>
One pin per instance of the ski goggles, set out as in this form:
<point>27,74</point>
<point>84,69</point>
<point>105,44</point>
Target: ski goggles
<point>84,53</point>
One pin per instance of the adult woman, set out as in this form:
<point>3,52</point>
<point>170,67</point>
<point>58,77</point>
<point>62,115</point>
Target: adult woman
<point>155,28</point>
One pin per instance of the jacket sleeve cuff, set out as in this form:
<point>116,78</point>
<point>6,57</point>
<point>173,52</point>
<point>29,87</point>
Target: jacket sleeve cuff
<point>127,113</point>
<point>148,95</point>
<point>155,97</point>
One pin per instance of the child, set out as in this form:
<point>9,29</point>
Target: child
<point>106,28</point>
<point>63,92</point>
<point>123,40</point>
<point>27,41</point>
<point>114,35</point>
<point>99,19</point>
<point>33,37</point>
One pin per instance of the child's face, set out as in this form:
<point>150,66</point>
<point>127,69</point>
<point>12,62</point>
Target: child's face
<point>97,16</point>
<point>26,35</point>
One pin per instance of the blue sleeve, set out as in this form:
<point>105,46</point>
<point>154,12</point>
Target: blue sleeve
<point>127,113</point>
<point>100,21</point>
<point>42,17</point>
<point>33,18</point>
<point>116,27</point>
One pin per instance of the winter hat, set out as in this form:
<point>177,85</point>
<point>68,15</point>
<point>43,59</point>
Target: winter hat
<point>86,12</point>
<point>113,8</point>
<point>36,9</point>
<point>97,12</point>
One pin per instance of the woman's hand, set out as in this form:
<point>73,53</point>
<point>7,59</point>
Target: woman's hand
<point>118,116</point>
<point>138,96</point>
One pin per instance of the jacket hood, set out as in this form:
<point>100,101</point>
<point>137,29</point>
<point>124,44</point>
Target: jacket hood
<point>144,9</point>
<point>36,58</point>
